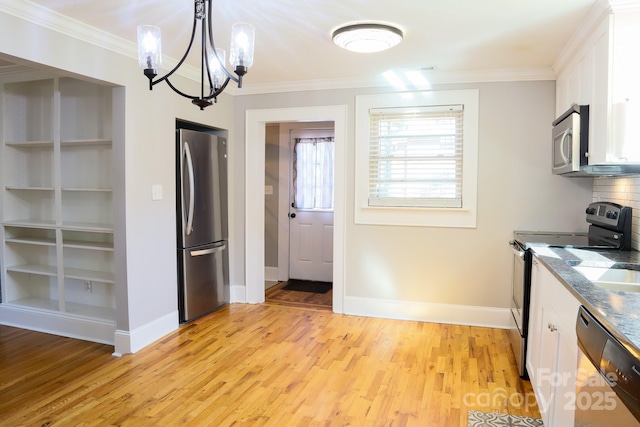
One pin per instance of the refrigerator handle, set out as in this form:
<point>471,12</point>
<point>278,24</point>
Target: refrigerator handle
<point>208,251</point>
<point>187,153</point>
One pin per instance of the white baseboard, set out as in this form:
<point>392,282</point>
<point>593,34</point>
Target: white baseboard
<point>271,274</point>
<point>58,323</point>
<point>491,317</point>
<point>132,341</point>
<point>428,312</point>
<point>238,294</point>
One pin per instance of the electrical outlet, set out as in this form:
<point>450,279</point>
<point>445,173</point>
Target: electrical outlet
<point>88,286</point>
<point>156,192</point>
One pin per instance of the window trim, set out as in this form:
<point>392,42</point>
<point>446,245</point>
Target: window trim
<point>464,217</point>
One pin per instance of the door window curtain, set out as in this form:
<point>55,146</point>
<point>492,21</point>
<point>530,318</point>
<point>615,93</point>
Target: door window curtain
<point>313,173</point>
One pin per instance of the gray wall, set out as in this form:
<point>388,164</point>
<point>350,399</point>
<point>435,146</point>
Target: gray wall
<point>516,190</point>
<point>272,152</point>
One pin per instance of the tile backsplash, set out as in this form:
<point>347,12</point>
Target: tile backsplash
<point>624,191</point>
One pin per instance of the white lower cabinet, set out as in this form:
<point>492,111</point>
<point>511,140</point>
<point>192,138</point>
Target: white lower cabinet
<point>552,353</point>
<point>57,230</point>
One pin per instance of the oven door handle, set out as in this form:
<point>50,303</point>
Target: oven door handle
<point>515,248</point>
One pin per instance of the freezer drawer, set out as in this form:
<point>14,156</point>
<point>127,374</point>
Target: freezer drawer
<point>204,280</point>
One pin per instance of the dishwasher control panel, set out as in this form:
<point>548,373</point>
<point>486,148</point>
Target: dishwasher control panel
<point>622,370</point>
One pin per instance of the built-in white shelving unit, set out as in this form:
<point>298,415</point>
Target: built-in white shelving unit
<point>57,208</point>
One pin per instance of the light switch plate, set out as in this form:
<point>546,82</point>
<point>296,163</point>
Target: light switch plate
<point>156,192</point>
<point>268,190</point>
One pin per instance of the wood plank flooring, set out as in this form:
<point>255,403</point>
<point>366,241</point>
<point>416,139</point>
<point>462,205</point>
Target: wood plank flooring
<point>265,365</point>
<point>279,296</point>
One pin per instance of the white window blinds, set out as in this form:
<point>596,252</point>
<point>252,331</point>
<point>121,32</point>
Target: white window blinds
<point>415,157</point>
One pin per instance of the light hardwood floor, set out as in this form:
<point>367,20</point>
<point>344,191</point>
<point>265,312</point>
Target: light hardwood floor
<point>265,365</point>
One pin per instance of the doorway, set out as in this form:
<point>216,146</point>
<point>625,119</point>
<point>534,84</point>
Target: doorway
<point>256,121</point>
<point>299,195</point>
<point>299,198</point>
<point>310,210</point>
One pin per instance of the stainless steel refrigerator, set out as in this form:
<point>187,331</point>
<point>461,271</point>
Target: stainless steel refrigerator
<point>203,255</point>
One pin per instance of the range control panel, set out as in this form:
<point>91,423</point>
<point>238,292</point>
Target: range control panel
<point>609,215</point>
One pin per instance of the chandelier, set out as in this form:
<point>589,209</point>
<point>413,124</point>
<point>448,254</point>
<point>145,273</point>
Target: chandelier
<point>214,76</point>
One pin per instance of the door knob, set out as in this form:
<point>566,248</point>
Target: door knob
<point>292,215</point>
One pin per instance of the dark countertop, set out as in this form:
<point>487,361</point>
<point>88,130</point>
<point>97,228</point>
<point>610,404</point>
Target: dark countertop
<point>618,311</point>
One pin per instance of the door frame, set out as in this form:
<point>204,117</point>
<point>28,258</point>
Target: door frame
<point>256,121</point>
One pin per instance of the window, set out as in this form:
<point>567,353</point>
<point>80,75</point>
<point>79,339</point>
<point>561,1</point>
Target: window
<point>416,158</point>
<point>313,173</point>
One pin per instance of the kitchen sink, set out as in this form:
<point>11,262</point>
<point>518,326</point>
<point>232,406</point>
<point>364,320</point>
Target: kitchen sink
<point>615,279</point>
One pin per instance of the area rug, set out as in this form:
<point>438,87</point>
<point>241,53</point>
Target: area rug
<point>308,286</point>
<point>492,419</point>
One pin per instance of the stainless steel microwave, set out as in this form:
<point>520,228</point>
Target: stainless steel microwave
<point>571,140</point>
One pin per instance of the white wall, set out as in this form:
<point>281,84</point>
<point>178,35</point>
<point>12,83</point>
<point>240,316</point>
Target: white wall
<point>388,267</point>
<point>146,290</point>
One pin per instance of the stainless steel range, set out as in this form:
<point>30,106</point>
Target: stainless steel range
<point>610,228</point>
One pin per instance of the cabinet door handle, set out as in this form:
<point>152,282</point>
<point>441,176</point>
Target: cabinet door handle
<point>552,327</point>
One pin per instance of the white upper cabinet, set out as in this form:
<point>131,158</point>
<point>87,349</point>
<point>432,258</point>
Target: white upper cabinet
<point>602,73</point>
<point>624,135</point>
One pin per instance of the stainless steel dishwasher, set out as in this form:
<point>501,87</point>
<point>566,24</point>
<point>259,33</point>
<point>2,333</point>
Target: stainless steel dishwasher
<point>608,378</point>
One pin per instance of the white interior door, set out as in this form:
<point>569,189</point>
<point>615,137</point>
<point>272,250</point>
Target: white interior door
<point>311,211</point>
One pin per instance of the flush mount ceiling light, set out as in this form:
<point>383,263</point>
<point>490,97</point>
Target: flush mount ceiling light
<point>367,38</point>
<point>214,76</point>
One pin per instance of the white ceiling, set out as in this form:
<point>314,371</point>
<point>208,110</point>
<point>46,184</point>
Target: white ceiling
<point>293,43</point>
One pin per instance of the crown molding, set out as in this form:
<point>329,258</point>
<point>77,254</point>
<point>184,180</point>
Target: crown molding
<point>491,75</point>
<point>14,69</point>
<point>433,77</point>
<point>624,5</point>
<point>589,27</point>
<point>47,18</point>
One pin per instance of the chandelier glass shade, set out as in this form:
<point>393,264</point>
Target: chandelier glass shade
<point>367,37</point>
<point>214,76</point>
